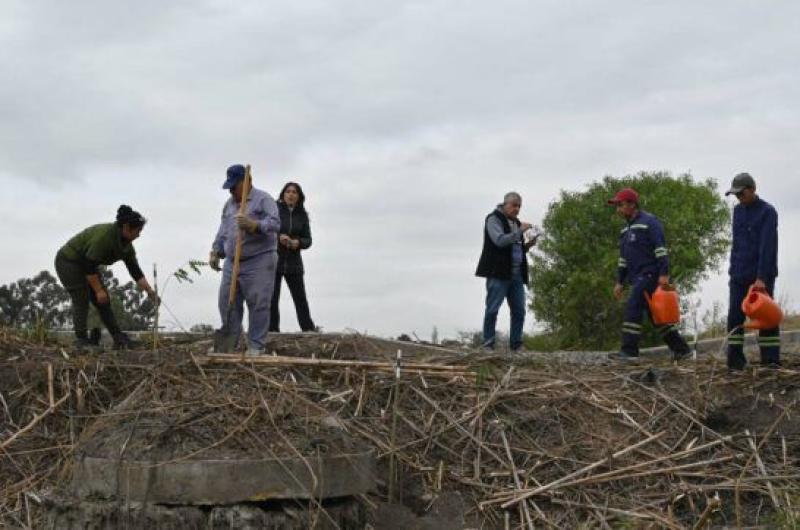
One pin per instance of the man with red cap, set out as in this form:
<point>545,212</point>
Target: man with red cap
<point>644,264</point>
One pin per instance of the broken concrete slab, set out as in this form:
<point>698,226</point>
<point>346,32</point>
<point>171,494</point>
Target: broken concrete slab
<point>213,482</point>
<point>68,514</point>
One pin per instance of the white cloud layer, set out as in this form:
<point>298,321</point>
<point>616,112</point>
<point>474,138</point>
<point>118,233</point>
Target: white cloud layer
<point>404,121</point>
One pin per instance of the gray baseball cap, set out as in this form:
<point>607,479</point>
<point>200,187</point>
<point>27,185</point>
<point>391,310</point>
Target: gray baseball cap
<point>740,182</point>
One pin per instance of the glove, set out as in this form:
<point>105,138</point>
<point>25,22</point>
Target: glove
<point>213,261</point>
<point>155,299</point>
<point>246,224</point>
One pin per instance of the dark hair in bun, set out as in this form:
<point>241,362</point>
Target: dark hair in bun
<point>128,216</point>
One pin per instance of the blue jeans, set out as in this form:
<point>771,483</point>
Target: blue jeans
<point>512,290</point>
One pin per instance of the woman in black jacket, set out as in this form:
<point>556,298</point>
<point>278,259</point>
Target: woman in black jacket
<point>295,235</point>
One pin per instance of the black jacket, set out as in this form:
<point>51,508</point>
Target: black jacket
<point>296,225</point>
<point>495,262</point>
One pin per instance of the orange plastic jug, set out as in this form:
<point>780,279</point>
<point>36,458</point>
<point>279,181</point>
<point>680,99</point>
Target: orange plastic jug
<point>761,310</point>
<point>664,306</point>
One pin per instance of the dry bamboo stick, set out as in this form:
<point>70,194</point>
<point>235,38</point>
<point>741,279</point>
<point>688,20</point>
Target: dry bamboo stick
<point>50,392</point>
<point>457,425</point>
<point>675,456</point>
<point>762,469</point>
<point>491,397</point>
<point>764,439</point>
<point>517,483</point>
<point>705,517</point>
<point>281,360</point>
<point>619,511</point>
<point>585,469</point>
<point>33,422</point>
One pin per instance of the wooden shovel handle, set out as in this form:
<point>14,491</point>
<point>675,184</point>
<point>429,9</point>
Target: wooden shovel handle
<point>239,237</point>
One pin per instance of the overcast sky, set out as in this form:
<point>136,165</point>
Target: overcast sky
<point>405,122</point>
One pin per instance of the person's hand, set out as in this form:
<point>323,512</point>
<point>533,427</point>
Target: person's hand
<point>617,291</point>
<point>525,226</point>
<point>245,223</point>
<point>294,244</point>
<point>154,298</point>
<point>283,239</point>
<point>102,296</point>
<point>759,286</point>
<point>663,282</point>
<point>213,261</point>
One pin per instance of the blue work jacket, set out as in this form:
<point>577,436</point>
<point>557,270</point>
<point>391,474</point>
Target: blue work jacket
<point>642,248</point>
<point>754,254</point>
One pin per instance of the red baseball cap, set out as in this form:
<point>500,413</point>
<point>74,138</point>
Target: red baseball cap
<point>625,194</point>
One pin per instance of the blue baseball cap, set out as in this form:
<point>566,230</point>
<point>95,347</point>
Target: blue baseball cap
<point>235,175</point>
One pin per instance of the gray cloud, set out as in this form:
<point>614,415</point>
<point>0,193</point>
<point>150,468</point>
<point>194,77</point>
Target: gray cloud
<point>406,122</point>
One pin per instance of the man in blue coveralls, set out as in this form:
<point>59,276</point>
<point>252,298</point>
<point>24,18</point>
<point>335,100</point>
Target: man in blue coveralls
<point>644,263</point>
<point>260,225</point>
<point>754,262</point>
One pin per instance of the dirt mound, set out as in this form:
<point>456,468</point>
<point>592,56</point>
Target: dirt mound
<point>535,442</point>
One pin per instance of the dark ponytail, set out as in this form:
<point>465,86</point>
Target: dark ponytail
<point>128,216</point>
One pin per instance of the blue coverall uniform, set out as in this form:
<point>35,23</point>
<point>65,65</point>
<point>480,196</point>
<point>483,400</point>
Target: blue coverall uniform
<point>754,256</point>
<point>643,258</point>
<point>256,267</point>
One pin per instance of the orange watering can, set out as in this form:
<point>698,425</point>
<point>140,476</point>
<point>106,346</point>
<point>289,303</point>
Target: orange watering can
<point>761,310</point>
<point>664,306</point>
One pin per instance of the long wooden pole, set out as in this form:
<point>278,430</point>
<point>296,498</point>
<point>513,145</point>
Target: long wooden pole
<point>158,306</point>
<point>36,419</point>
<point>237,256</point>
<point>279,360</point>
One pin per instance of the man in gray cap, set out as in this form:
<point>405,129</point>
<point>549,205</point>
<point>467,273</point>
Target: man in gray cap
<point>260,225</point>
<point>754,263</point>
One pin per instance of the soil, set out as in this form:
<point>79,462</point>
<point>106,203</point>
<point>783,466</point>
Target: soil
<point>557,416</point>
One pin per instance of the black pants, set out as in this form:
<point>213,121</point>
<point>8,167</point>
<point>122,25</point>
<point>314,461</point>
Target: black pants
<point>769,340</point>
<point>297,288</point>
<point>74,281</point>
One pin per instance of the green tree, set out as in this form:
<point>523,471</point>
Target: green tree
<point>37,301</point>
<point>41,301</point>
<point>574,265</point>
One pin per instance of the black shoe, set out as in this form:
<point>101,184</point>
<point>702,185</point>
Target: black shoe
<point>680,355</point>
<point>123,342</point>
<point>94,336</point>
<point>83,345</point>
<point>736,361</point>
<point>624,356</point>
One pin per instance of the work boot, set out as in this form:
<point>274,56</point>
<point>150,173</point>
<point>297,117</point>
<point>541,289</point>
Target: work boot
<point>520,352</point>
<point>681,354</point>
<point>624,356</point>
<point>735,372</point>
<point>82,345</point>
<point>94,336</point>
<point>772,365</point>
<point>123,342</point>
<point>677,344</point>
